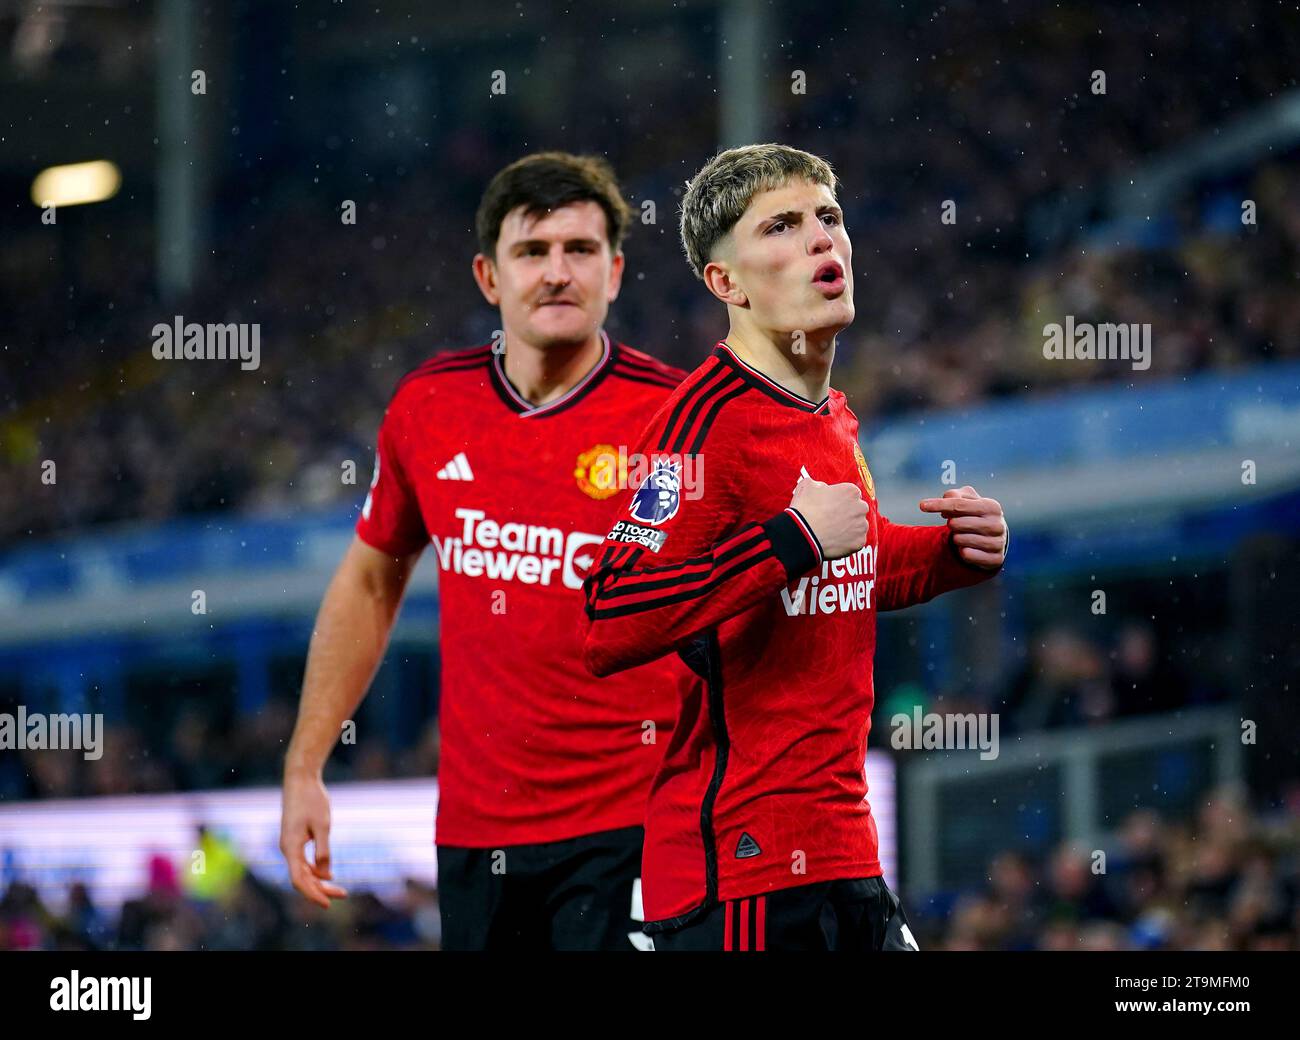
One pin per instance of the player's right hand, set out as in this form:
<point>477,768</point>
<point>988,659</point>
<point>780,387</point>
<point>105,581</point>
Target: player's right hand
<point>305,816</point>
<point>837,514</point>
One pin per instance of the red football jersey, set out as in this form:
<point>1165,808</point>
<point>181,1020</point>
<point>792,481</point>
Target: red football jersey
<point>534,749</point>
<point>762,786</point>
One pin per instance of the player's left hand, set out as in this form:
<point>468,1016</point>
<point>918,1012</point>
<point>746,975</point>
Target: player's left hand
<point>979,530</point>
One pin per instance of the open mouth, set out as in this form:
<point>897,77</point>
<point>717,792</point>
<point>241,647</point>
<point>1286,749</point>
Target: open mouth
<point>829,278</point>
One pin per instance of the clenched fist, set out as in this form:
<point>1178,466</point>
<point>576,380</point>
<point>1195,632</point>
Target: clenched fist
<point>836,513</point>
<point>979,530</point>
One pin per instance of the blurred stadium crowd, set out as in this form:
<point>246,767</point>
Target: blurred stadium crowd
<point>200,752</point>
<point>245,913</point>
<point>1227,881</point>
<point>1068,679</point>
<point>947,314</point>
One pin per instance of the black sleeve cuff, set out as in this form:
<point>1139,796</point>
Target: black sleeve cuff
<point>793,542</point>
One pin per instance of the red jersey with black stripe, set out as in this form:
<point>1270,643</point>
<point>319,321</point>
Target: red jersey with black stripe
<point>762,786</point>
<point>514,500</point>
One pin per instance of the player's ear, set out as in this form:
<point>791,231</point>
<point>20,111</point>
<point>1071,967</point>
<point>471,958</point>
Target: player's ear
<point>719,281</point>
<point>617,266</point>
<point>485,274</point>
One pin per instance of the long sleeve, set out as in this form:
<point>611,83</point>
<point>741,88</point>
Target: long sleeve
<point>642,603</point>
<point>917,563</point>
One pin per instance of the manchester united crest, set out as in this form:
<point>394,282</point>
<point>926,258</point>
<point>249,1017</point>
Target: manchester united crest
<point>861,460</point>
<point>596,471</point>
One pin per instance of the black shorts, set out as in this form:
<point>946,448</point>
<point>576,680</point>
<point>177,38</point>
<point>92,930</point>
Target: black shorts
<point>858,914</point>
<point>579,894</point>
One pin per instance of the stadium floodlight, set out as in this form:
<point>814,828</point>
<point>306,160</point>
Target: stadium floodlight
<point>76,183</point>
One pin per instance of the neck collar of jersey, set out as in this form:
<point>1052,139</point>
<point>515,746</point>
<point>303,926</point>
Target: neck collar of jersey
<point>525,409</point>
<point>769,386</point>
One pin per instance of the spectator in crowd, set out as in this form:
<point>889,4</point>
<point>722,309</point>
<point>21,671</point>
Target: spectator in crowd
<point>1228,880</point>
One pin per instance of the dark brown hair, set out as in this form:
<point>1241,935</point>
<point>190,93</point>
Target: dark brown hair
<point>545,181</point>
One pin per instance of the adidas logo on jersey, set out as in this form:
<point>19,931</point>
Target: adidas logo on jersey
<point>456,469</point>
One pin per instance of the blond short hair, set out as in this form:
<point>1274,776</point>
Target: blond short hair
<point>717,197</point>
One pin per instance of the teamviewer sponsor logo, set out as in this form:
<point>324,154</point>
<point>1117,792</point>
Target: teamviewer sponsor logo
<point>527,553</point>
<point>93,993</point>
<point>841,585</point>
<point>579,555</point>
